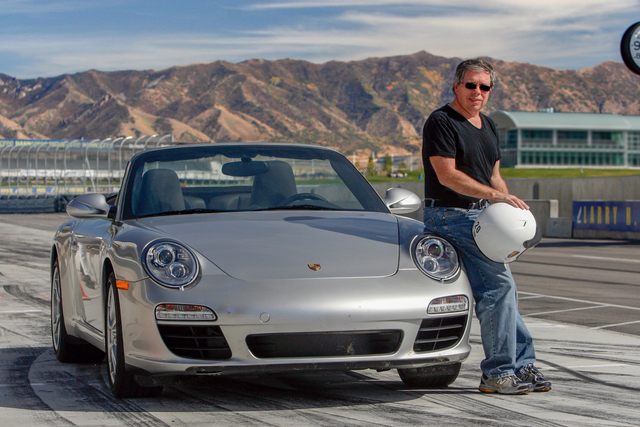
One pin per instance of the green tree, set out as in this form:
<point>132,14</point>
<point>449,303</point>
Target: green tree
<point>388,163</point>
<point>371,168</point>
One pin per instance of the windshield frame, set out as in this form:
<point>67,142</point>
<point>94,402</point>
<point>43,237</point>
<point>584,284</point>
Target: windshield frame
<point>348,173</point>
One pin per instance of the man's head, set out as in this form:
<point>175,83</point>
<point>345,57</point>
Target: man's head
<point>474,80</point>
<point>477,65</point>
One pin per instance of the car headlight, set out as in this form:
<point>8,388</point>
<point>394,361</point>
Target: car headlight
<point>436,258</point>
<point>170,264</point>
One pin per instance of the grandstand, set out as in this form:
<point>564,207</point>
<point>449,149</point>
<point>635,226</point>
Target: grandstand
<point>41,175</point>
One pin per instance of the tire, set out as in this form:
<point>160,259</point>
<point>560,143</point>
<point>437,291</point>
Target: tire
<point>68,349</point>
<point>430,377</point>
<point>121,382</point>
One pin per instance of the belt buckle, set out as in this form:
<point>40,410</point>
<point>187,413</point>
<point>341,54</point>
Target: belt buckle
<point>478,205</point>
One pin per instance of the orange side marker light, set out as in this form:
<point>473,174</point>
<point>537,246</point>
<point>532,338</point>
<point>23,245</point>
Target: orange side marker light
<point>122,284</point>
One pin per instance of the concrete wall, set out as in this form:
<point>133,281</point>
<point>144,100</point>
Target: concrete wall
<point>566,190</point>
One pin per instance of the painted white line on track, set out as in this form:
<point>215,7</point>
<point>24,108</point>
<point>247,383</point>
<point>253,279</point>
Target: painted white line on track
<point>610,365</point>
<point>564,255</point>
<point>542,313</point>
<point>599,258</point>
<point>616,324</point>
<point>520,298</point>
<point>599,304</point>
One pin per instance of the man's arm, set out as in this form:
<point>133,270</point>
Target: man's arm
<point>496,179</point>
<point>462,183</point>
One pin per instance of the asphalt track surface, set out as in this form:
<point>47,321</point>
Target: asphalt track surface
<point>579,298</point>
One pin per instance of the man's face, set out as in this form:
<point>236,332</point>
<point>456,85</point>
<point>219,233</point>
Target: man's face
<point>473,100</point>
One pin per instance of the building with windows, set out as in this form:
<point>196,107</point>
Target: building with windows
<point>568,139</point>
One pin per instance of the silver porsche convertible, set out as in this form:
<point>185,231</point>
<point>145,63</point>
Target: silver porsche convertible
<point>232,258</point>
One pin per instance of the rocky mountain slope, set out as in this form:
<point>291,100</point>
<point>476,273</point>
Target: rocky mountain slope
<point>370,104</point>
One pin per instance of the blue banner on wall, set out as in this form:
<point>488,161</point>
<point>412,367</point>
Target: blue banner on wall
<point>613,216</point>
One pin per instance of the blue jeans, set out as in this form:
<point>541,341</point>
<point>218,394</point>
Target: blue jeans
<point>508,345</point>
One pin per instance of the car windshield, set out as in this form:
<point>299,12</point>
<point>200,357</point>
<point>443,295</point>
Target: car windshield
<point>231,178</point>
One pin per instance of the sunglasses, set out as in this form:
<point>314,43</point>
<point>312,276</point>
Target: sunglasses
<point>473,86</point>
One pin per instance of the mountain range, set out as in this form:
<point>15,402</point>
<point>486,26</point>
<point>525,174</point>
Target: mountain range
<point>374,104</point>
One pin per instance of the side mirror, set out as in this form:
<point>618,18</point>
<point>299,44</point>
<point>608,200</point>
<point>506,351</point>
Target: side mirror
<point>401,201</point>
<point>90,206</point>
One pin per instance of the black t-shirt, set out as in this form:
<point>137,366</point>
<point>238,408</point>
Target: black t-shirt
<point>447,133</point>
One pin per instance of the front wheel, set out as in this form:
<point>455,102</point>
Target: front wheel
<point>121,382</point>
<point>430,376</point>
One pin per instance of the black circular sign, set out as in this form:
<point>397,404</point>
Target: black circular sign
<point>630,48</point>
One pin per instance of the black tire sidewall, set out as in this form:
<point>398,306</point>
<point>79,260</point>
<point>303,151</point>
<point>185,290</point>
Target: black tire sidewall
<point>62,338</point>
<point>116,385</point>
<point>627,55</point>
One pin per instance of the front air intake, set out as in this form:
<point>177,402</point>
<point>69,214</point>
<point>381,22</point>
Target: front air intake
<point>440,333</point>
<point>195,342</point>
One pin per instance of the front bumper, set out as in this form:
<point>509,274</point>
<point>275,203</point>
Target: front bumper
<point>378,323</point>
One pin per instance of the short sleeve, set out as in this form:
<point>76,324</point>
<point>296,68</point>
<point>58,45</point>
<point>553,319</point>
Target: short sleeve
<point>439,136</point>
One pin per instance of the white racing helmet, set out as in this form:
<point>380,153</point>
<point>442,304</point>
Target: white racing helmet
<point>503,232</point>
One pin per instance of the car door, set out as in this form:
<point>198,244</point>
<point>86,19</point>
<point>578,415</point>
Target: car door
<point>89,241</point>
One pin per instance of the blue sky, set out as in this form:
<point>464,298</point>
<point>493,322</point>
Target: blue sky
<point>44,38</point>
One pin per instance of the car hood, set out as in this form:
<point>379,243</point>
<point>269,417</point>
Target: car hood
<point>281,245</point>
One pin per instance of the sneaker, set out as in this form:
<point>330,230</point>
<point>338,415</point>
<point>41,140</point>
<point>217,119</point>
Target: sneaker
<point>530,374</point>
<point>504,385</point>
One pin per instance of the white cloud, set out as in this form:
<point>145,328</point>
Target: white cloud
<point>553,7</point>
<point>554,33</point>
<point>557,33</point>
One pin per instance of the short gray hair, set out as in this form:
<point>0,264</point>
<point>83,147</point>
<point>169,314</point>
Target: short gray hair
<point>477,65</point>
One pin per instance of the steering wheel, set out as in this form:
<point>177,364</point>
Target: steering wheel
<point>302,196</point>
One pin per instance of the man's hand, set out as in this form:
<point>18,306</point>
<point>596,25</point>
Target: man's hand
<point>510,199</point>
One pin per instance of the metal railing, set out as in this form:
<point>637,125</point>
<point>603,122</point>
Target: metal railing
<point>69,166</point>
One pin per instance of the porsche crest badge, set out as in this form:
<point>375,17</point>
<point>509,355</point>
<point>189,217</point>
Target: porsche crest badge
<point>314,267</point>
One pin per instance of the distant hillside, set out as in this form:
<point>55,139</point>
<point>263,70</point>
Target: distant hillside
<point>373,104</point>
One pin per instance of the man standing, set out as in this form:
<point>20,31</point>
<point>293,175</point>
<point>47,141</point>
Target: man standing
<point>461,156</point>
